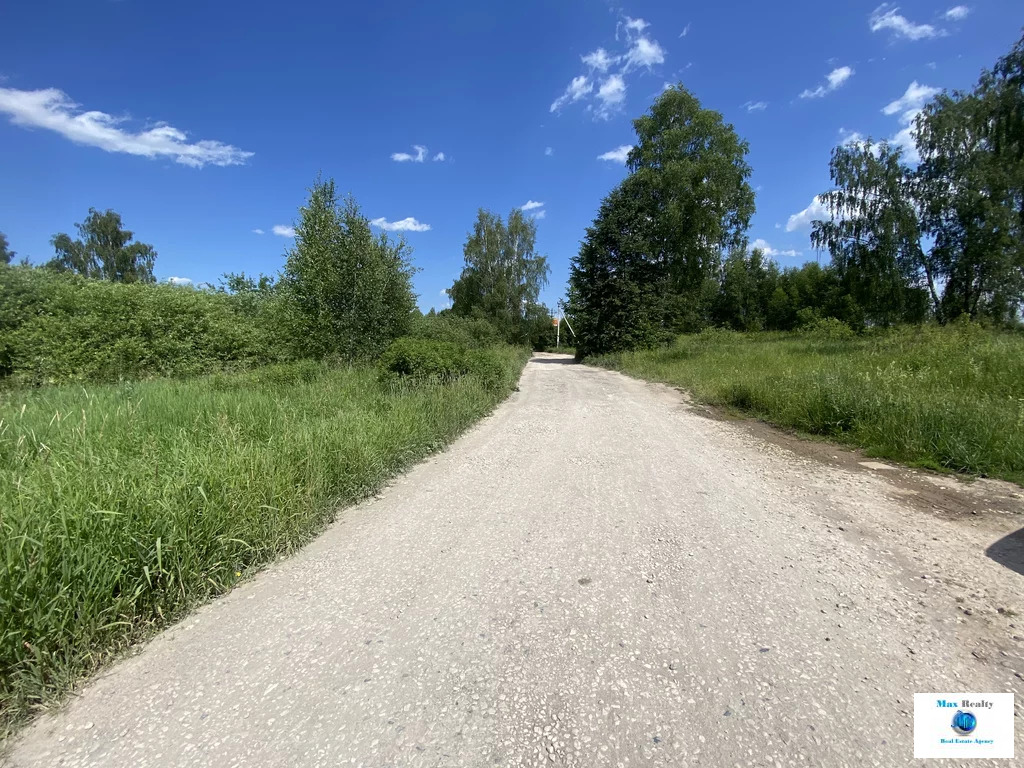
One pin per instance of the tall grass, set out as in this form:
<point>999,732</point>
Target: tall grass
<point>947,398</point>
<point>122,506</point>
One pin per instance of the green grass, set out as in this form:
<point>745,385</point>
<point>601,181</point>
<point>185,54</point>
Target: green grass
<point>945,398</point>
<point>123,506</point>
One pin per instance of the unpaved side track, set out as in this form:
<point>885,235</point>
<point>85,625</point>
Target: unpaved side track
<point>596,575</point>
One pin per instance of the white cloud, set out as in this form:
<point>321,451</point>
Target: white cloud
<point>405,157</point>
<point>635,25</point>
<point>439,157</point>
<point>803,219</point>
<point>539,214</point>
<point>755,106</point>
<point>914,98</point>
<point>611,94</point>
<point>283,230</point>
<point>600,60</point>
<point>258,231</point>
<point>577,89</point>
<point>685,32</point>
<point>772,252</point>
<point>617,155</point>
<point>835,79</point>
<point>408,224</point>
<point>549,151</point>
<point>850,137</point>
<point>644,53</point>
<point>179,280</point>
<point>887,16</point>
<point>603,85</point>
<point>54,110</point>
<point>529,205</point>
<point>956,13</point>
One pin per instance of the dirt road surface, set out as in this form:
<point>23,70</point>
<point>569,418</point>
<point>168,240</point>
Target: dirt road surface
<point>599,574</point>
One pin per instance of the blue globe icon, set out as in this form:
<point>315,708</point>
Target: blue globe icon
<point>964,722</point>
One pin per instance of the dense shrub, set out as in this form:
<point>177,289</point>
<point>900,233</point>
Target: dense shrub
<point>467,332</point>
<point>424,359</point>
<point>59,327</point>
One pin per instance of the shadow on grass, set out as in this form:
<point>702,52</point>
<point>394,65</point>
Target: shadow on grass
<point>1009,551</point>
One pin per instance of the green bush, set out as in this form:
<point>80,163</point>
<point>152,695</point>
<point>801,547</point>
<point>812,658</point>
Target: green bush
<point>828,329</point>
<point>466,332</point>
<point>423,359</point>
<point>61,327</point>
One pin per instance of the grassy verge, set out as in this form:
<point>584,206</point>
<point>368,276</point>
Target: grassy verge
<point>123,506</point>
<point>946,398</point>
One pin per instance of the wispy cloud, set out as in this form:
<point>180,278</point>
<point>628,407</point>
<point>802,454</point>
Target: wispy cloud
<point>956,13</point>
<point>756,106</point>
<point>887,17</point>
<point>577,89</point>
<point>283,230</point>
<point>408,224</point>
<point>763,246</point>
<point>686,31</point>
<point>908,107</point>
<point>549,151</point>
<point>405,157</point>
<point>529,205</point>
<point>603,85</point>
<point>539,214</point>
<point>634,25</point>
<point>611,95</point>
<point>179,280</point>
<point>54,110</point>
<point>258,231</point>
<point>439,157</point>
<point>913,98</point>
<point>644,53</point>
<point>803,219</point>
<point>617,155</point>
<point>834,79</point>
<point>600,60</point>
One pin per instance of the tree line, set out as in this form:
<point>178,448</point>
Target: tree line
<point>94,309</point>
<point>667,252</point>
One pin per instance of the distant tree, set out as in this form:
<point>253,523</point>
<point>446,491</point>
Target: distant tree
<point>348,292</point>
<point>947,235</point>
<point>692,170</point>
<point>874,233</point>
<point>971,182</point>
<point>502,276</point>
<point>104,252</point>
<point>617,286</point>
<point>749,281</point>
<point>650,265</point>
<point>6,254</point>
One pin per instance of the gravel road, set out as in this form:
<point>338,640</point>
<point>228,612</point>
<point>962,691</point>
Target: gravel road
<point>598,574</point>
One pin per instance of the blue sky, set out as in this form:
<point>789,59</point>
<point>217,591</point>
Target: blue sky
<point>203,123</point>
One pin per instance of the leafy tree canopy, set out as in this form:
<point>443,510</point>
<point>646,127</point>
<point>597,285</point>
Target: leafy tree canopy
<point>104,252</point>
